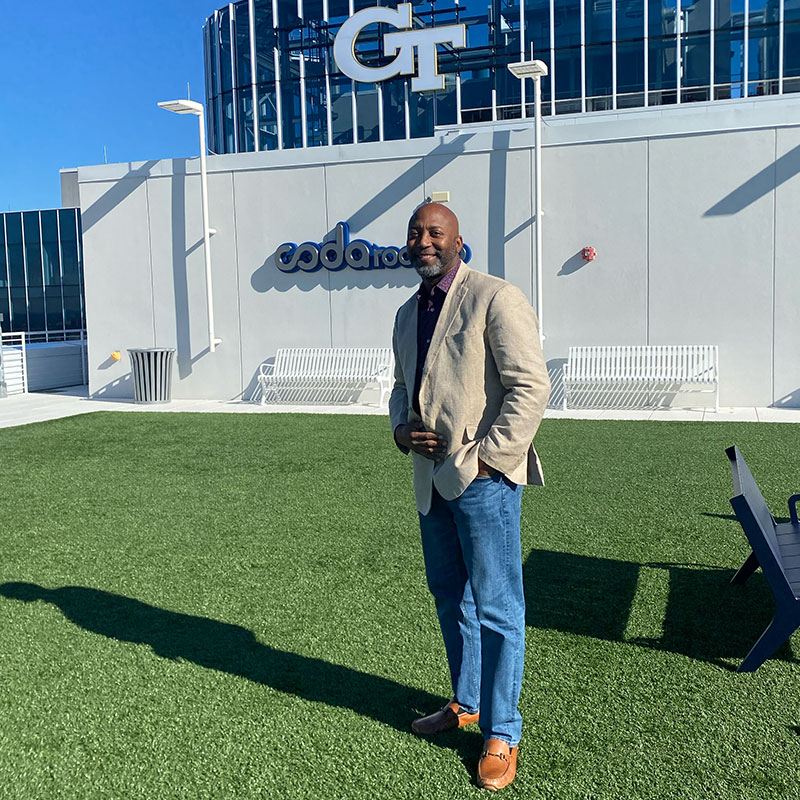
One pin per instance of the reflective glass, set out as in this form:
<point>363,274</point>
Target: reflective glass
<point>630,20</point>
<point>265,41</point>
<point>763,65</point>
<point>367,108</point>
<point>316,112</point>
<point>662,65</point>
<point>229,138</point>
<point>597,23</point>
<point>73,316</point>
<point>537,28</point>
<point>5,310</point>
<point>630,67</point>
<point>267,117</point>
<point>341,109</point>
<point>791,50</point>
<point>598,76</point>
<point>568,73</point>
<point>729,63</point>
<point>19,309</point>
<point>3,262</point>
<point>476,94</point>
<point>33,248</point>
<point>312,10</point>
<point>421,110</point>
<point>51,260</point>
<point>287,15</point>
<point>394,115</point>
<point>696,61</point>
<point>247,142</point>
<point>242,27</point>
<point>567,19</point>
<point>292,121</point>
<point>695,16</point>
<point>69,248</point>
<point>225,49</point>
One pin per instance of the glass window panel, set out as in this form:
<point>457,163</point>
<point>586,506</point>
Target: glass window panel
<point>267,117</point>
<point>791,10</point>
<point>662,67</point>
<point>763,60</point>
<point>660,17</point>
<point>73,317</point>
<point>728,62</point>
<point>287,15</point>
<point>54,313</point>
<point>598,71</point>
<point>225,49</point>
<point>19,309</point>
<point>242,27</point>
<point>445,101</point>
<point>537,28</point>
<point>247,142</point>
<point>567,24</point>
<point>5,310</point>
<point>16,259</point>
<point>506,19</point>
<point>695,16</point>
<point>338,12</point>
<point>421,110</point>
<point>33,248</point>
<point>394,115</point>
<point>36,308</point>
<point>265,41</point>
<point>69,248</point>
<point>316,112</point>
<point>476,90</point>
<point>568,73</point>
<point>696,60</point>
<point>508,87</point>
<point>367,108</point>
<point>791,49</point>
<point>630,20</point>
<point>341,109</point>
<point>728,14</point>
<point>630,66</point>
<point>228,137</point>
<point>51,262</point>
<point>598,21</point>
<point>3,262</point>
<point>290,112</point>
<point>312,10</point>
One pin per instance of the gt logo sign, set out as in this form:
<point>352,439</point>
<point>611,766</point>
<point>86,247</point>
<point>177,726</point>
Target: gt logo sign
<point>401,45</point>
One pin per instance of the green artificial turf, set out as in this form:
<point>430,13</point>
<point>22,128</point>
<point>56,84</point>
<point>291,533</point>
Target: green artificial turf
<point>234,606</point>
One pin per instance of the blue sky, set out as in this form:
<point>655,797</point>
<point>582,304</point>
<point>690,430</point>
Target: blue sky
<point>78,76</point>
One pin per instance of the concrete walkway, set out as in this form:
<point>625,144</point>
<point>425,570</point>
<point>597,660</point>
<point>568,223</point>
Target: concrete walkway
<point>40,406</point>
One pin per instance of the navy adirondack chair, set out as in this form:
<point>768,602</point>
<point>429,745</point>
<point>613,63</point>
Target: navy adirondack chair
<point>776,549</point>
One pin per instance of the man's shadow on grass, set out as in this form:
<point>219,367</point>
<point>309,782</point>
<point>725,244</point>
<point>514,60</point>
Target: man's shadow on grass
<point>703,616</point>
<point>235,650</point>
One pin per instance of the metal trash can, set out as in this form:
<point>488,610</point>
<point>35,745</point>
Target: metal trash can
<point>151,369</point>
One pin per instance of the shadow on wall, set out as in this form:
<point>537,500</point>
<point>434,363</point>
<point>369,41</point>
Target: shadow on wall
<point>573,264</point>
<point>118,191</point>
<point>761,184</point>
<point>555,369</point>
<point>791,400</point>
<point>698,615</point>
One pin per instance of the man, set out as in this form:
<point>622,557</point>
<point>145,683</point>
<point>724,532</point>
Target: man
<point>470,390</point>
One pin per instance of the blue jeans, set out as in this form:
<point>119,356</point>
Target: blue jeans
<point>473,562</point>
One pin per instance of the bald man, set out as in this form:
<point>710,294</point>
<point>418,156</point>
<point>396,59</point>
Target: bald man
<point>470,390</point>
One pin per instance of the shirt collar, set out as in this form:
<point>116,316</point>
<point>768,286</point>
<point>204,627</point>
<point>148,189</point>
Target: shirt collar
<point>443,285</point>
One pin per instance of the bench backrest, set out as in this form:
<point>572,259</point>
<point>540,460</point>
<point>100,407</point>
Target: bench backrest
<point>331,362</point>
<point>685,362</point>
<point>757,521</point>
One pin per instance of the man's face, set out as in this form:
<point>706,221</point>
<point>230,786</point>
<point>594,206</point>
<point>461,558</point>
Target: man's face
<point>433,241</point>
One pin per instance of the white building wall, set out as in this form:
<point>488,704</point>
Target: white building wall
<point>692,211</point>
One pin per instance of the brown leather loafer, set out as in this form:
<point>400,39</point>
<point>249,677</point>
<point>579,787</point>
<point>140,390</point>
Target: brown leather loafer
<point>498,765</point>
<point>445,719</point>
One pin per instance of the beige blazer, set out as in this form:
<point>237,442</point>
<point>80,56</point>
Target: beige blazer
<point>484,386</point>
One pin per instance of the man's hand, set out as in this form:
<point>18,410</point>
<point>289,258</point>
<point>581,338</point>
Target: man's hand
<point>427,443</point>
<point>484,470</point>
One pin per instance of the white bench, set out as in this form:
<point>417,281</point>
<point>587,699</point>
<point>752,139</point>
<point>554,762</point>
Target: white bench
<point>639,367</point>
<point>310,373</point>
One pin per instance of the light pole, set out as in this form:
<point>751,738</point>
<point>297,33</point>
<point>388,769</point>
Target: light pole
<point>192,107</point>
<point>536,70</point>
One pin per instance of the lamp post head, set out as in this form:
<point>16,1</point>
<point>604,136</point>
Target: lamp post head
<point>528,69</point>
<point>183,107</point>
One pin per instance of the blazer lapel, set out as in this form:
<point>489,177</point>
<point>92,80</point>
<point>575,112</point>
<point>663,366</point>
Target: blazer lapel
<point>455,297</point>
<point>407,340</point>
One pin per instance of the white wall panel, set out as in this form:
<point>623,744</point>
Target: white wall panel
<point>711,253</point>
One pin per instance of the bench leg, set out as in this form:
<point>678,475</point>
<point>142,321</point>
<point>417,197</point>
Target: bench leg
<point>746,570</point>
<point>778,631</point>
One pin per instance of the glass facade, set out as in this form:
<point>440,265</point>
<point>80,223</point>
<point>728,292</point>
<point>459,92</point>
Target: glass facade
<point>41,271</point>
<point>272,83</point>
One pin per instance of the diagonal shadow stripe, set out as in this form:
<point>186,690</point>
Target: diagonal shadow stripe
<point>762,183</point>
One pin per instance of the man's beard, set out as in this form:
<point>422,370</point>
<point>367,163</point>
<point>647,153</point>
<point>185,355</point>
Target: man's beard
<point>437,268</point>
